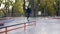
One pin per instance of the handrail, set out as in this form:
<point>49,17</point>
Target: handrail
<point>6,30</point>
<point>14,25</point>
<point>10,25</point>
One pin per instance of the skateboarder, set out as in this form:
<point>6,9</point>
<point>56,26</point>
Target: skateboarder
<point>28,12</point>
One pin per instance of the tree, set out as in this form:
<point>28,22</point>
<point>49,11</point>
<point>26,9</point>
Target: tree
<point>34,6</point>
<point>18,7</point>
<point>48,7</point>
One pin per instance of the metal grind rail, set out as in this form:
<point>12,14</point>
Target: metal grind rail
<point>24,26</point>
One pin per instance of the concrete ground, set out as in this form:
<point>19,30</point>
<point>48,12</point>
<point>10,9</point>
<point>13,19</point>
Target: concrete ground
<point>45,25</point>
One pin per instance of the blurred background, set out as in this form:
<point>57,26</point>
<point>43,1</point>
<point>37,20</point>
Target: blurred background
<point>17,8</point>
<point>47,13</point>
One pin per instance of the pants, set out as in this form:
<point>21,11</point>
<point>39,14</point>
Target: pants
<point>28,15</point>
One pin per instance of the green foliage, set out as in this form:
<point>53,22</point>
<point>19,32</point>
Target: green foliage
<point>19,6</point>
<point>48,5</point>
<point>51,6</point>
<point>35,1</point>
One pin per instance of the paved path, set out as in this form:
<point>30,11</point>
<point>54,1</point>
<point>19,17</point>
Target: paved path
<point>44,26</point>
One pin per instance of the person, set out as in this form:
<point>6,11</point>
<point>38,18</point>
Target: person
<point>28,12</point>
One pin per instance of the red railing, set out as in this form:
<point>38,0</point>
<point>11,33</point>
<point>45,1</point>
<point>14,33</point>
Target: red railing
<point>24,26</point>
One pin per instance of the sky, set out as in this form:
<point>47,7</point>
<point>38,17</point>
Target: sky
<point>3,5</point>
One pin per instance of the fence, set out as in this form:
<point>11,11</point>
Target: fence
<point>24,26</point>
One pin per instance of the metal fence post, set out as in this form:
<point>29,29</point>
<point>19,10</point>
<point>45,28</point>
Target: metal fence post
<point>6,30</point>
<point>35,23</point>
<point>25,27</point>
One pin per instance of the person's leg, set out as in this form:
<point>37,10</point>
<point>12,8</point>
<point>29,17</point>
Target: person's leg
<point>28,17</point>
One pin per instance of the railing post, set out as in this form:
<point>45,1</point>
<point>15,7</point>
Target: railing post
<point>0,31</point>
<point>24,27</point>
<point>6,30</point>
<point>35,23</point>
